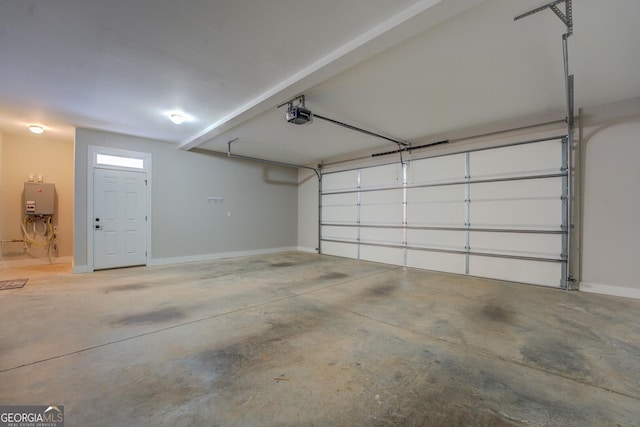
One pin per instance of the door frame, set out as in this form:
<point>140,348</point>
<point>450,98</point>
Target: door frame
<point>92,163</point>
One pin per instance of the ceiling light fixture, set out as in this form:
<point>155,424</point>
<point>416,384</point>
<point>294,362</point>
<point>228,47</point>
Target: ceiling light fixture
<point>37,129</point>
<point>176,118</point>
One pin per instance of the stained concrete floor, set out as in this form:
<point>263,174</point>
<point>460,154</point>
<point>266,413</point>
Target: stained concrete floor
<point>299,339</point>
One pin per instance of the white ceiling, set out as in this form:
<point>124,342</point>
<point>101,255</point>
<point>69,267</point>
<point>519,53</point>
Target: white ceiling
<point>403,68</point>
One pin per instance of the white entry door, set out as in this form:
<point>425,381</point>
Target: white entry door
<point>119,222</point>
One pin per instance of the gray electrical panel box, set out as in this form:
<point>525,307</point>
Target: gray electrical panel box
<point>39,198</point>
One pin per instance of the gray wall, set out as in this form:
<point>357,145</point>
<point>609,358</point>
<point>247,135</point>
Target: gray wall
<point>610,199</point>
<point>262,200</point>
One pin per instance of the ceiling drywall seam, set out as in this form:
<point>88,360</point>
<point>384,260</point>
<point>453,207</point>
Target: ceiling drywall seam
<point>415,19</point>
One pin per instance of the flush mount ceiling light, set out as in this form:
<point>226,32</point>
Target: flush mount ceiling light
<point>37,129</point>
<point>176,118</point>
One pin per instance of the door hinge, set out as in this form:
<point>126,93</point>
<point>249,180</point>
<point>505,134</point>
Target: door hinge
<point>145,218</point>
<point>145,182</point>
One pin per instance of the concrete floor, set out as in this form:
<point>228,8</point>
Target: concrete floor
<point>300,339</point>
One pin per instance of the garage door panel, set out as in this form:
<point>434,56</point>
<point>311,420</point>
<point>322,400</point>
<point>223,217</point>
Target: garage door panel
<point>533,272</point>
<point>539,188</point>
<point>381,207</point>
<point>436,206</point>
<point>340,214</point>
<point>444,214</point>
<point>517,244</point>
<point>444,194</point>
<point>340,233</point>
<point>517,214</point>
<point>340,181</point>
<point>522,204</point>
<point>436,239</point>
<point>381,197</point>
<point>385,236</point>
<point>340,208</point>
<point>437,170</point>
<point>539,158</point>
<point>381,176</point>
<point>438,261</point>
<point>346,250</point>
<point>383,255</point>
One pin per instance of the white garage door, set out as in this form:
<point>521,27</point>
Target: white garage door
<point>498,213</point>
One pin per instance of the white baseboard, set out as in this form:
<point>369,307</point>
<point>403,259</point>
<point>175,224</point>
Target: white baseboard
<point>221,255</point>
<point>618,291</point>
<point>79,269</point>
<point>26,262</point>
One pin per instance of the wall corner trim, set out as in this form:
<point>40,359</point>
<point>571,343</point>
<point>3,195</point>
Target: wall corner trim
<point>618,291</point>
